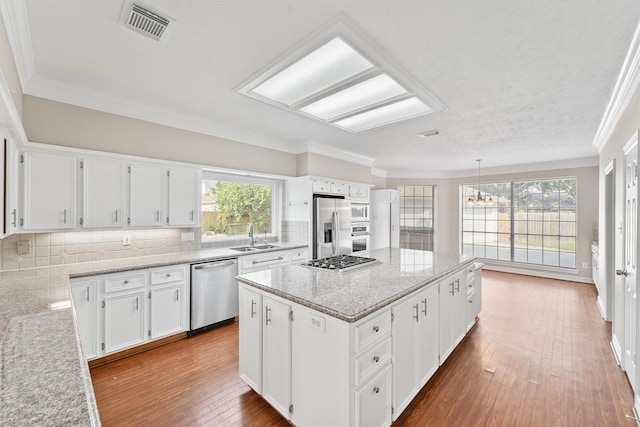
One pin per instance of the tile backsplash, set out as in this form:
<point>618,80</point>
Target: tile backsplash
<point>83,246</point>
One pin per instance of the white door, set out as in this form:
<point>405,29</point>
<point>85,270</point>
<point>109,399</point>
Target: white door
<point>250,337</point>
<point>167,311</point>
<point>85,304</point>
<point>103,193</point>
<point>184,197</point>
<point>124,321</point>
<point>630,256</point>
<point>276,344</point>
<point>49,193</point>
<point>147,195</point>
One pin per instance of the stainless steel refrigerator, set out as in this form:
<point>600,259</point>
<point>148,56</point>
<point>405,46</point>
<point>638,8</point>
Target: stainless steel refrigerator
<point>332,227</point>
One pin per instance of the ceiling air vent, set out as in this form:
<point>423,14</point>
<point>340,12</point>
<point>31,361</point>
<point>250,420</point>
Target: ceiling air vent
<point>147,22</point>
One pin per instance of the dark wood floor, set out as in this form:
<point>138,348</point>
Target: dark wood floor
<point>539,356</point>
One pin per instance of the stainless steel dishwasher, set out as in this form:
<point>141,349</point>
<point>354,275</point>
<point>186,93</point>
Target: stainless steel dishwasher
<point>214,293</point>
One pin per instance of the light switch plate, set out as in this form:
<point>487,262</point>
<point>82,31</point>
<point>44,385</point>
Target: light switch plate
<point>187,237</point>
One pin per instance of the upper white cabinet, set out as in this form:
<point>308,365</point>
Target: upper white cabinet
<point>184,197</point>
<point>49,191</point>
<point>359,192</point>
<point>103,192</point>
<point>147,189</point>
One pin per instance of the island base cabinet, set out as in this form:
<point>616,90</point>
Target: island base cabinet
<point>452,322</point>
<point>250,337</point>
<point>321,386</point>
<point>373,401</point>
<point>276,362</point>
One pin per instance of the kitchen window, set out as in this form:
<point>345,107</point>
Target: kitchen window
<point>532,222</point>
<point>231,203</point>
<point>416,216</point>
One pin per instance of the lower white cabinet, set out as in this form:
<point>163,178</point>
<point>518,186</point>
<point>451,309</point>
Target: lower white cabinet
<point>473,304</point>
<point>85,302</point>
<point>452,325</point>
<point>276,352</point>
<point>265,347</point>
<point>124,320</point>
<point>415,345</point>
<point>373,400</point>
<point>250,337</point>
<point>119,311</point>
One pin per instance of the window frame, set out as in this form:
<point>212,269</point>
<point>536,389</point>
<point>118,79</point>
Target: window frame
<point>433,209</point>
<point>512,233</point>
<point>277,189</point>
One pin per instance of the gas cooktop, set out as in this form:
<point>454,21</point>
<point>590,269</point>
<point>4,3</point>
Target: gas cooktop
<point>341,262</point>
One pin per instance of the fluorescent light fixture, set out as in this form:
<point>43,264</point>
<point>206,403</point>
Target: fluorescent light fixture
<point>370,92</point>
<point>338,79</point>
<point>326,66</point>
<point>387,114</point>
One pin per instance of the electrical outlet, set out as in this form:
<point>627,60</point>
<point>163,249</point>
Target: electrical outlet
<point>585,265</point>
<point>187,237</point>
<point>126,240</point>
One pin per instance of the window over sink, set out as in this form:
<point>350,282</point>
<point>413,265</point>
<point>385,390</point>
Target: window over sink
<point>230,203</point>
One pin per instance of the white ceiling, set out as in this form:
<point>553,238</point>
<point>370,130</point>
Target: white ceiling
<point>521,82</point>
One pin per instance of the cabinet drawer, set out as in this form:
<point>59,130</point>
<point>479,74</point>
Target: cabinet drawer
<point>264,261</point>
<point>299,255</point>
<point>370,361</point>
<point>166,275</point>
<point>124,282</point>
<point>372,330</point>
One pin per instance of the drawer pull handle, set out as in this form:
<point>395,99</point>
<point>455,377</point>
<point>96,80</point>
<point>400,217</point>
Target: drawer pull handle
<point>177,295</point>
<point>415,316</point>
<point>458,285</point>
<point>87,294</point>
<point>376,328</point>
<point>267,318</point>
<point>126,282</point>
<point>267,260</point>
<point>253,308</point>
<point>376,390</point>
<point>470,301</point>
<point>376,359</point>
<point>424,310</point>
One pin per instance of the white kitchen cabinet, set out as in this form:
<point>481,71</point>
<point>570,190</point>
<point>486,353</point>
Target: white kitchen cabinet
<point>11,176</point>
<point>473,304</point>
<point>124,320</point>
<point>276,351</point>
<point>184,207</point>
<point>167,304</point>
<point>330,187</point>
<point>415,345</point>
<point>359,192</point>
<point>373,401</point>
<point>48,192</point>
<point>85,302</point>
<point>147,190</point>
<point>452,327</point>
<point>103,192</point>
<point>250,337</point>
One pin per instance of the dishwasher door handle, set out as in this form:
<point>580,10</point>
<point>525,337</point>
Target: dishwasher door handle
<point>213,264</point>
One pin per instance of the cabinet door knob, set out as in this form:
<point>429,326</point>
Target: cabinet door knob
<point>376,390</point>
<point>376,329</point>
<point>126,282</point>
<point>376,359</point>
<point>168,275</point>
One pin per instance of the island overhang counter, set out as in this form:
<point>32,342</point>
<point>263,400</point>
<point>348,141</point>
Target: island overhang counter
<point>351,348</point>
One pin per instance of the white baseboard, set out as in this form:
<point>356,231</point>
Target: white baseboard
<point>600,305</point>
<point>617,350</point>
<point>558,275</point>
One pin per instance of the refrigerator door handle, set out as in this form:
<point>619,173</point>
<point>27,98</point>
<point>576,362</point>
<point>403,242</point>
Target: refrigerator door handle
<point>334,237</point>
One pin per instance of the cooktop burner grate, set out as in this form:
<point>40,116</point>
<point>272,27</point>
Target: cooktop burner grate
<point>341,262</point>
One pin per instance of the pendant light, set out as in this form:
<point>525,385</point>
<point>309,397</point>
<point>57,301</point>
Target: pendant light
<point>479,200</point>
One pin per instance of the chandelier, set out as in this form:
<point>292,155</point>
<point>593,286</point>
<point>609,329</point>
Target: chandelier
<point>479,200</point>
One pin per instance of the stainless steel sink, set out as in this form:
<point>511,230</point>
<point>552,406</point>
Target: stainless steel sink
<point>244,249</point>
<point>253,248</point>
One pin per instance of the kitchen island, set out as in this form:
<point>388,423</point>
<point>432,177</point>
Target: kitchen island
<point>352,348</point>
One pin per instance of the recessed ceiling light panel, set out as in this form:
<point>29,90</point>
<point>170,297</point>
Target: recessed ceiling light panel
<point>338,79</point>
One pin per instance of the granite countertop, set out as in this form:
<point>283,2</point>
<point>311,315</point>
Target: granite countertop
<point>352,295</point>
<point>44,377</point>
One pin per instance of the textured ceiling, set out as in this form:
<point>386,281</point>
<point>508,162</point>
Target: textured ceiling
<point>522,82</point>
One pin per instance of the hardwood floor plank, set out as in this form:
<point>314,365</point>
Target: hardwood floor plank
<point>539,355</point>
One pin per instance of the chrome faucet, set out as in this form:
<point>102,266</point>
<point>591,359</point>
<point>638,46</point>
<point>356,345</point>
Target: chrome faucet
<point>251,235</point>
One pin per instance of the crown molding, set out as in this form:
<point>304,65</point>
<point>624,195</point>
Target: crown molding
<point>101,101</point>
<point>16,22</point>
<point>332,152</point>
<point>625,88</point>
<point>500,170</point>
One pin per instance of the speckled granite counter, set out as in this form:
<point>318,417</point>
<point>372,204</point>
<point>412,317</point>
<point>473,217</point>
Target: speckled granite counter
<point>354,294</point>
<point>44,378</point>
